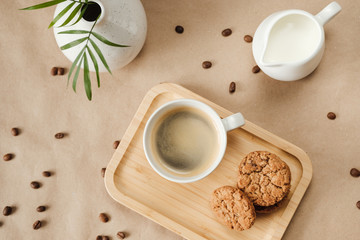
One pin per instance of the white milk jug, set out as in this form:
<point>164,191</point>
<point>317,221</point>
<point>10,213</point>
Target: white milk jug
<point>288,45</point>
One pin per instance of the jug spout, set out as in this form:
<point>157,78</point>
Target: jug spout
<point>269,58</point>
<point>274,53</point>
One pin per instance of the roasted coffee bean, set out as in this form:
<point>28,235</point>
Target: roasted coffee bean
<point>60,71</point>
<point>7,211</point>
<point>46,173</point>
<point>35,185</point>
<point>103,170</point>
<point>206,64</point>
<point>227,32</point>
<point>8,157</point>
<point>331,115</point>
<point>15,131</point>
<point>256,69</point>
<point>41,208</point>
<point>99,237</point>
<point>354,172</point>
<point>120,235</point>
<point>37,225</point>
<point>116,144</point>
<point>103,217</point>
<point>59,135</point>
<point>232,87</point>
<point>248,38</point>
<point>54,71</point>
<point>105,238</point>
<point>179,29</point>
<point>358,204</point>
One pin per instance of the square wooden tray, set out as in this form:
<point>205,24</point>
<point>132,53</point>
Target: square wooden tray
<point>184,208</point>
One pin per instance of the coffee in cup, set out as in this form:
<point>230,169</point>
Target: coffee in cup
<point>185,140</point>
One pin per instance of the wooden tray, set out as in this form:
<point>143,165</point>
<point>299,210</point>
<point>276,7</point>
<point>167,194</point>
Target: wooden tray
<point>184,208</point>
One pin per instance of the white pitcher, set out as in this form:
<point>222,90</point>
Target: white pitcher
<point>288,45</point>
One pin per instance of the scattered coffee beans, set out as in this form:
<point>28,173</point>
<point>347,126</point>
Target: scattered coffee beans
<point>7,211</point>
<point>60,71</point>
<point>15,131</point>
<point>116,144</point>
<point>105,238</point>
<point>248,38</point>
<point>99,237</point>
<point>179,29</point>
<point>103,217</point>
<point>37,225</point>
<point>256,69</point>
<point>206,64</point>
<point>358,204</point>
<point>59,135</point>
<point>120,235</point>
<point>354,172</point>
<point>35,185</point>
<point>226,32</point>
<point>54,71</point>
<point>331,115</point>
<point>46,173</point>
<point>103,170</point>
<point>40,208</point>
<point>232,87</point>
<point>8,157</point>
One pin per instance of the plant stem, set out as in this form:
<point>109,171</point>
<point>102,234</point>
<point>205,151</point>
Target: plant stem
<point>91,30</point>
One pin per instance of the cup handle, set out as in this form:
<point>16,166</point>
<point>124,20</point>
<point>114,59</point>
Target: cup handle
<point>328,13</point>
<point>233,121</point>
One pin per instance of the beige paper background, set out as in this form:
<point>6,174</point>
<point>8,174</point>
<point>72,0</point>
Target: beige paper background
<point>40,105</point>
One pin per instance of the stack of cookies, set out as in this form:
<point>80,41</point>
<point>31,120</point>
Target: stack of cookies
<point>263,184</point>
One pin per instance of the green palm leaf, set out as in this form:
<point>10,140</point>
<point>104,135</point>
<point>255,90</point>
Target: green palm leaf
<point>82,58</point>
<point>81,14</point>
<point>74,32</point>
<point>73,43</point>
<point>72,15</point>
<point>104,40</point>
<point>77,74</point>
<point>44,5</point>
<point>87,82</point>
<point>92,56</point>
<point>99,53</point>
<point>61,14</point>
<point>74,64</point>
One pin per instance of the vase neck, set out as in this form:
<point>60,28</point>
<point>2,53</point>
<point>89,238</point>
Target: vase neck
<point>95,10</point>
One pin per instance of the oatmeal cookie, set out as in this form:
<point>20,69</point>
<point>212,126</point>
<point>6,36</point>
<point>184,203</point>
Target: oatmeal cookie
<point>233,208</point>
<point>264,178</point>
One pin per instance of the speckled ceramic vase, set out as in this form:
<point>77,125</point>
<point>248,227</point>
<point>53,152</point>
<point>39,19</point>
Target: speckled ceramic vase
<point>121,22</point>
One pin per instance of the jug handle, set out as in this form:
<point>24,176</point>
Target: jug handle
<point>328,13</point>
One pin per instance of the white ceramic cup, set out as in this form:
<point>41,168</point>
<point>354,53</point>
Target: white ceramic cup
<point>222,127</point>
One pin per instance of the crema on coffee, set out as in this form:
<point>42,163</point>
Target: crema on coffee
<point>185,141</point>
